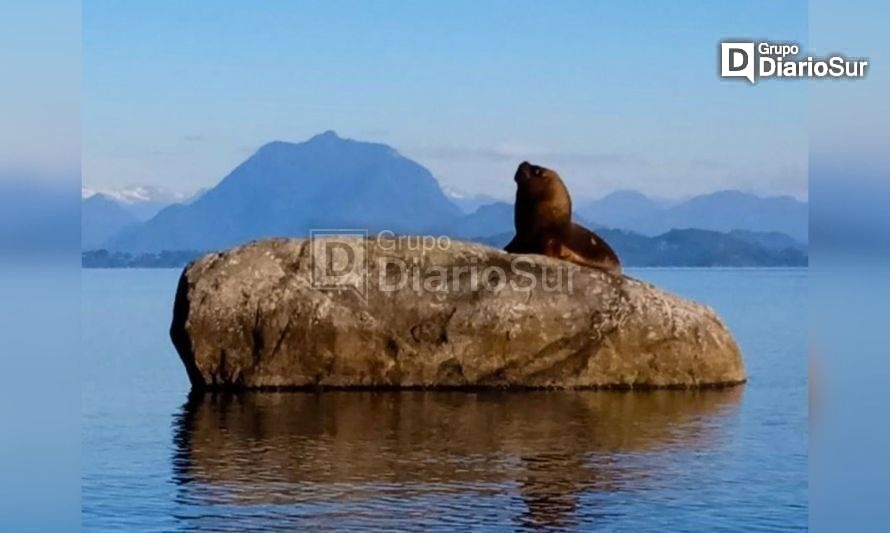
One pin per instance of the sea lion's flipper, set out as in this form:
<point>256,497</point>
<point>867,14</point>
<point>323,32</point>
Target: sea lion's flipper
<point>586,248</point>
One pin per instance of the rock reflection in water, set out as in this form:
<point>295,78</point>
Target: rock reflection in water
<point>449,459</point>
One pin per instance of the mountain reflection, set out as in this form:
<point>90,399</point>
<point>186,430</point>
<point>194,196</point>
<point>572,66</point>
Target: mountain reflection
<point>448,459</point>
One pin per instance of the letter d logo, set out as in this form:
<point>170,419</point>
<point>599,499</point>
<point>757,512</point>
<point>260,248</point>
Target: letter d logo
<point>737,60</point>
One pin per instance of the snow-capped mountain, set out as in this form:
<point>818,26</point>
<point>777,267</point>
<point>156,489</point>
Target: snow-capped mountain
<point>142,201</point>
<point>468,203</point>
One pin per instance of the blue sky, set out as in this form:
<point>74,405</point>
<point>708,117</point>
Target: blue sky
<point>613,95</point>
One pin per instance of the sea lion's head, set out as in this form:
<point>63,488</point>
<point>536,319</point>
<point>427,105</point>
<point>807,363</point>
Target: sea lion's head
<point>543,204</point>
<point>540,183</point>
<point>527,172</point>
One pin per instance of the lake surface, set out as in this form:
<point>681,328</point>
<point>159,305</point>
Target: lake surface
<point>155,459</point>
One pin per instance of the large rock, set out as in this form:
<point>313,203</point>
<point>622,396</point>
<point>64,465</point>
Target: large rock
<point>395,313</point>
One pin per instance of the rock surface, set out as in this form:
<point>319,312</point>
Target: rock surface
<point>398,314</point>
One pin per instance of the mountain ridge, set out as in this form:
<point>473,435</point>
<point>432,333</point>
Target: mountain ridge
<point>101,218</point>
<point>724,211</point>
<point>286,189</point>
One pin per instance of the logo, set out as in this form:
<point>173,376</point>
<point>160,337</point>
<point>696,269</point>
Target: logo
<point>756,61</point>
<point>339,260</point>
<point>348,260</point>
<point>737,60</point>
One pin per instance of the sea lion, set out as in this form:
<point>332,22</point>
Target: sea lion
<point>543,220</point>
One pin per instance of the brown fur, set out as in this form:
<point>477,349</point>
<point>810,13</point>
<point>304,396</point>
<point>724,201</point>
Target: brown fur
<point>543,220</point>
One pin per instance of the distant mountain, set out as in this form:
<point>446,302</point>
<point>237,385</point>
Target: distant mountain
<point>102,217</point>
<point>491,219</point>
<point>469,203</point>
<point>700,248</point>
<point>685,248</point>
<point>722,211</point>
<point>142,201</point>
<point>486,220</point>
<point>622,209</point>
<point>771,240</point>
<point>287,189</point>
<point>327,182</point>
<point>730,210</point>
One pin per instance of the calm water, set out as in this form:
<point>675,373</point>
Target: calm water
<point>155,459</point>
